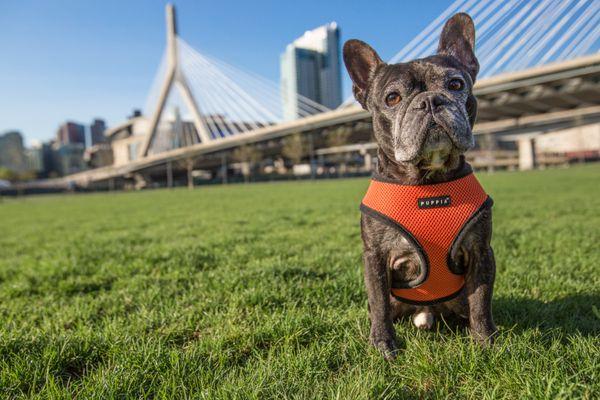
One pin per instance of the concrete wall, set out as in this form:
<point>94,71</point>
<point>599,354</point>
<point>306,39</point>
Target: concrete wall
<point>582,138</point>
<point>121,149</point>
<point>140,126</point>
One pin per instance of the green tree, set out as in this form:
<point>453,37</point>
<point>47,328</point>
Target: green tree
<point>248,156</point>
<point>7,175</point>
<point>294,148</point>
<point>338,136</point>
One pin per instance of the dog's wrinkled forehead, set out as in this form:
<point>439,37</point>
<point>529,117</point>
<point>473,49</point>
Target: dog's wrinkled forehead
<point>418,75</point>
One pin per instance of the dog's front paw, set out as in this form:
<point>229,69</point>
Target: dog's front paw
<point>485,336</point>
<point>386,344</point>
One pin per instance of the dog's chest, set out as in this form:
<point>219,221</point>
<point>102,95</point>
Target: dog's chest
<point>400,256</point>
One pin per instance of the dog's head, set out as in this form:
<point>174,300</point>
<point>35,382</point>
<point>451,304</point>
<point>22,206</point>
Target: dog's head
<point>423,110</point>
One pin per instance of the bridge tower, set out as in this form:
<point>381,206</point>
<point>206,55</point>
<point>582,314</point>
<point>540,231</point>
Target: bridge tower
<point>174,78</point>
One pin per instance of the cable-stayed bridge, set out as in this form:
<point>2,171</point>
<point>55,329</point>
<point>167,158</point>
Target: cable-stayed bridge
<point>222,99</point>
<point>540,70</point>
<point>515,35</point>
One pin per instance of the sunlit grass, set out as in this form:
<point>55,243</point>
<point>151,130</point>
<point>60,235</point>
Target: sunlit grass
<point>255,291</point>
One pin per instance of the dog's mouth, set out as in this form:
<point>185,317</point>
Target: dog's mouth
<point>438,161</point>
<point>432,142</point>
<point>436,150</point>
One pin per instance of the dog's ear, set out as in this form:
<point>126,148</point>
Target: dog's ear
<point>361,62</point>
<point>458,41</point>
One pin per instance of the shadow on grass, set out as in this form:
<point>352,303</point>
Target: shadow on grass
<point>572,314</point>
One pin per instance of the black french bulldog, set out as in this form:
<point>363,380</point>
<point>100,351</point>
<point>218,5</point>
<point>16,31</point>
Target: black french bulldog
<point>423,112</point>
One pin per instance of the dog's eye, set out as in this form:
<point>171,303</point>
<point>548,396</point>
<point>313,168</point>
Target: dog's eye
<point>392,99</point>
<point>456,84</point>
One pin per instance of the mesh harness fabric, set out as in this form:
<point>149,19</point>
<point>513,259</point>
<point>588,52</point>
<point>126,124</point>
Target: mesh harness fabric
<point>432,218</point>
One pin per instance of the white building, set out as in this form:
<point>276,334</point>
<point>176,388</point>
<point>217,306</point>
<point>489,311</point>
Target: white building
<point>310,66</point>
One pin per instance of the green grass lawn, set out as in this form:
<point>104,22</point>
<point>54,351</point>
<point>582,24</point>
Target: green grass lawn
<point>256,291</point>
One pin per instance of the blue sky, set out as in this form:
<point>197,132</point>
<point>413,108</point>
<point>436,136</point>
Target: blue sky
<point>78,60</point>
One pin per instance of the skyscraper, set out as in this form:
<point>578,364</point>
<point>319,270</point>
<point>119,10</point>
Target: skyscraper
<point>70,132</point>
<point>97,129</point>
<point>12,151</point>
<point>67,150</point>
<point>310,66</point>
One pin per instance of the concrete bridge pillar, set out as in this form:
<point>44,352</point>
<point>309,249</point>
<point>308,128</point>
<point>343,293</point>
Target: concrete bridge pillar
<point>526,153</point>
<point>224,168</point>
<point>368,161</point>
<point>190,175</point>
<point>169,174</point>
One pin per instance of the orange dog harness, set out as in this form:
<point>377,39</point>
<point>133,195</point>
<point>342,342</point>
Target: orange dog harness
<point>432,218</point>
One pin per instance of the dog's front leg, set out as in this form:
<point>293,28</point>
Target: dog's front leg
<point>378,292</point>
<point>480,284</point>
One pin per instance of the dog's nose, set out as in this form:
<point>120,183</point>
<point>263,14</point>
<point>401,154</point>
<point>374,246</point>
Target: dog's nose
<point>421,105</point>
<point>435,100</point>
<point>429,103</point>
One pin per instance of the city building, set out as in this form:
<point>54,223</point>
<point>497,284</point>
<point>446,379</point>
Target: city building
<point>12,151</point>
<point>51,169</point>
<point>34,158</point>
<point>98,155</point>
<point>68,158</point>
<point>97,129</point>
<point>126,139</point>
<point>70,133</point>
<point>310,67</point>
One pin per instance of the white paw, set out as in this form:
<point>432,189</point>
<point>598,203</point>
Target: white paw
<point>423,320</point>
